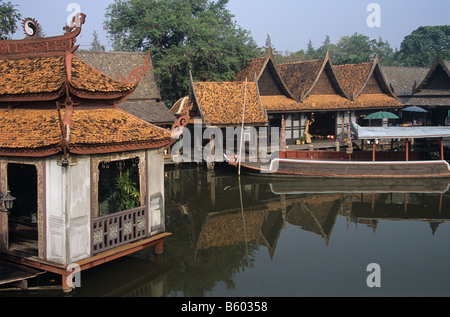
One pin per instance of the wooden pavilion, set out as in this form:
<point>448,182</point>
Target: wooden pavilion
<point>433,93</point>
<point>218,106</point>
<point>277,100</point>
<point>316,85</point>
<point>368,89</point>
<point>64,144</point>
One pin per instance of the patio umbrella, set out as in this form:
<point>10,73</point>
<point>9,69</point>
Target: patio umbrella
<point>381,115</point>
<point>414,109</point>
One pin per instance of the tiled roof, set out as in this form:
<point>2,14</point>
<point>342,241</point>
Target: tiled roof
<point>221,103</point>
<point>39,77</point>
<point>249,72</point>
<point>29,129</point>
<point>300,76</point>
<point>376,101</point>
<point>91,131</point>
<point>87,78</point>
<point>326,102</point>
<point>352,77</point>
<point>121,63</point>
<point>336,102</point>
<point>31,75</point>
<point>402,79</point>
<point>150,111</point>
<point>280,103</point>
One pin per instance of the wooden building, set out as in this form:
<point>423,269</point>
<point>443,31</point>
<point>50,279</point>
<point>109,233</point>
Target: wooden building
<point>368,89</point>
<point>316,85</point>
<point>214,106</point>
<point>145,102</point>
<point>433,93</point>
<point>64,145</point>
<point>277,100</point>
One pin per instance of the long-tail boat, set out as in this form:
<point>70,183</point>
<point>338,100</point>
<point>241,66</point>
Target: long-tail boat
<point>360,164</point>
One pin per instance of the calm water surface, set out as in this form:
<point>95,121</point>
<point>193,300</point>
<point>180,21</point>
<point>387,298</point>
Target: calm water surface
<point>258,236</point>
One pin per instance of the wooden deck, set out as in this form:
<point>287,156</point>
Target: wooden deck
<point>16,274</point>
<point>22,258</point>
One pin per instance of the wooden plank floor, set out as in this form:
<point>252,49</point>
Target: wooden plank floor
<point>12,272</point>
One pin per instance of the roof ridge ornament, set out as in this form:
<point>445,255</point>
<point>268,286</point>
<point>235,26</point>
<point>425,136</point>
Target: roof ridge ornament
<point>136,74</point>
<point>34,45</point>
<point>31,27</point>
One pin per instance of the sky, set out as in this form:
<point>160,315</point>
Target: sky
<point>290,23</point>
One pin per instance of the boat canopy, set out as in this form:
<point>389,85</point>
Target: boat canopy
<point>415,132</point>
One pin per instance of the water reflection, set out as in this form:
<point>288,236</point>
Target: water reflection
<point>256,236</point>
<point>221,224</point>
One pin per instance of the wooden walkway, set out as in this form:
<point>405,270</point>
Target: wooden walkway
<point>16,274</point>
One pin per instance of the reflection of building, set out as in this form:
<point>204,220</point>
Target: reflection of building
<point>219,220</point>
<point>61,135</point>
<point>372,208</point>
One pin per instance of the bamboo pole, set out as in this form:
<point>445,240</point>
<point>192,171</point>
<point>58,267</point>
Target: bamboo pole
<point>242,129</point>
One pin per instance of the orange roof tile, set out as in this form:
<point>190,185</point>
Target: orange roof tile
<point>279,103</point>
<point>29,129</point>
<point>352,77</point>
<point>87,78</point>
<point>377,101</point>
<point>300,76</point>
<point>221,103</point>
<point>326,102</point>
<point>37,77</point>
<point>336,102</point>
<point>91,131</point>
<point>31,75</point>
<point>250,70</point>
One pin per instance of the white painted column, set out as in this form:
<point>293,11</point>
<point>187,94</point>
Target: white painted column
<point>68,210</point>
<point>155,191</point>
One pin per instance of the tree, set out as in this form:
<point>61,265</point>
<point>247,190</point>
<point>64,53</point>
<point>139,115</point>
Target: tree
<point>95,45</point>
<point>183,36</point>
<point>359,48</point>
<point>419,49</point>
<point>8,19</point>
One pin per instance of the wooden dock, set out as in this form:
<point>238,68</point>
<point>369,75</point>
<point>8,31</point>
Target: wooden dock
<point>16,275</point>
<point>37,266</point>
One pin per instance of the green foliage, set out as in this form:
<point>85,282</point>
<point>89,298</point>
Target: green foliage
<point>353,49</point>
<point>95,45</point>
<point>126,192</point>
<point>8,19</point>
<point>420,48</point>
<point>183,36</point>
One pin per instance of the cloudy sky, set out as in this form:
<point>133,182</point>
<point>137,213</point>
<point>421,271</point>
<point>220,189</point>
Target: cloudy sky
<point>290,23</point>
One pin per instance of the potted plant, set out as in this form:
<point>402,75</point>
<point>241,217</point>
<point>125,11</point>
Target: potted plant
<point>127,192</point>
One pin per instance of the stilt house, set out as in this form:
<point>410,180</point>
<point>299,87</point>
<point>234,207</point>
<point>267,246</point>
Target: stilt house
<point>66,152</point>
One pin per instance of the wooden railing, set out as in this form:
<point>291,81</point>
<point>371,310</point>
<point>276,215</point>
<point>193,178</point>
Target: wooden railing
<point>120,228</point>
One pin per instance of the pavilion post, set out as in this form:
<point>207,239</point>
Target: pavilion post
<point>407,150</point>
<point>442,148</point>
<point>373,150</point>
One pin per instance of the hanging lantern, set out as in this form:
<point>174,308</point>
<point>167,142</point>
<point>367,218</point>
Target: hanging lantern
<point>8,200</point>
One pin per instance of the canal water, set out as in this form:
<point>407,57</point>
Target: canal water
<point>254,236</point>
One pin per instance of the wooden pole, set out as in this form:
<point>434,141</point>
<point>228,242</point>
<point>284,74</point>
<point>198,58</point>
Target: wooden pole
<point>407,150</point>
<point>442,149</point>
<point>242,129</point>
<point>373,150</point>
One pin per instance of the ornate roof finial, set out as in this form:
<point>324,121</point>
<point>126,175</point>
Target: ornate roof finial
<point>31,27</point>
